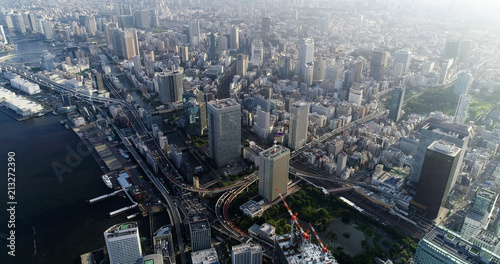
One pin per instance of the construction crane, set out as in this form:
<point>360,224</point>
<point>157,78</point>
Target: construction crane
<point>323,247</point>
<point>305,235</point>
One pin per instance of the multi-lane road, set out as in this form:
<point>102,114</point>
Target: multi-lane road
<point>164,164</point>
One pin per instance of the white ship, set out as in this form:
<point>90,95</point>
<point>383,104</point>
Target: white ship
<point>107,181</point>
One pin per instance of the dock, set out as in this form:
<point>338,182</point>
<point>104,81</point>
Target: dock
<point>124,209</point>
<point>102,197</point>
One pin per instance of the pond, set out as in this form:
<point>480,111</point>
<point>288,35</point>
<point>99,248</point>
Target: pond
<point>351,243</point>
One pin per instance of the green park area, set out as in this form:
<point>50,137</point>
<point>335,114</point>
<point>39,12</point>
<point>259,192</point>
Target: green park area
<point>356,237</point>
<point>434,99</point>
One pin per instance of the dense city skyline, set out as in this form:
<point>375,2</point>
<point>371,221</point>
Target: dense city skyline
<point>373,125</point>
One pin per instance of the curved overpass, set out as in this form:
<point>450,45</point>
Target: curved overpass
<point>166,171</point>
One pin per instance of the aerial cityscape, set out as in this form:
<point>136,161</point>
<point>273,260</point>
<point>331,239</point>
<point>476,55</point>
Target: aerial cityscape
<point>250,132</point>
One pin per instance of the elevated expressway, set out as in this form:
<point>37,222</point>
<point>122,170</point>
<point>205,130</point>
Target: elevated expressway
<point>166,166</point>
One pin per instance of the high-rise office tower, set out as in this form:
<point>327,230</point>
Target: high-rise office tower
<point>403,57</point>
<point>246,254</point>
<point>341,164</point>
<point>355,96</point>
<point>463,83</point>
<point>427,67</point>
<point>306,55</point>
<point>116,39</point>
<point>235,38</point>
<point>142,19</point>
<point>442,246</point>
<point>309,73</point>
<point>97,80</point>
<point>348,80</point>
<point>257,53</point>
<point>170,86</point>
<point>358,69</point>
<point>123,243</point>
<point>18,22</point>
<point>184,53</point>
<point>462,108</point>
<point>194,33</point>
<point>299,119</point>
<point>480,214</point>
<point>241,64</point>
<point>92,26</point>
<point>199,229</point>
<point>441,163</point>
<point>285,66</point>
<point>8,21</point>
<point>195,112</point>
<point>149,64</point>
<point>453,133</point>
<point>2,34</point>
<point>130,44</point>
<point>126,21</point>
<point>89,23</point>
<point>107,33</point>
<point>273,171</point>
<point>465,49</point>
<point>451,49</point>
<point>319,70</point>
<point>378,64</point>
<point>266,29</point>
<point>154,18</point>
<point>398,96</point>
<point>263,126</point>
<point>222,44</point>
<point>224,130</point>
<point>443,73</point>
<point>47,62</point>
<point>212,52</point>
<point>32,23</point>
<point>137,64</point>
<point>48,29</point>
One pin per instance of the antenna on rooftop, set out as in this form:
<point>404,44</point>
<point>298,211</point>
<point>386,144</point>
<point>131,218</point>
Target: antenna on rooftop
<point>275,141</point>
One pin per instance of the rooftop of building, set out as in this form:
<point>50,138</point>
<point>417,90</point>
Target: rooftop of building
<point>122,229</point>
<point>487,193</point>
<point>275,151</point>
<point>444,147</point>
<point>199,224</point>
<point>207,256</point>
<point>459,248</point>
<point>486,237</point>
<point>246,247</point>
<point>452,129</point>
<point>223,103</point>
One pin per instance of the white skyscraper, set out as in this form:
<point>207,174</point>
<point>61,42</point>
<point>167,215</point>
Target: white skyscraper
<point>403,57</point>
<point>306,55</point>
<point>262,126</point>
<point>462,108</point>
<point>2,34</point>
<point>123,243</point>
<point>299,118</point>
